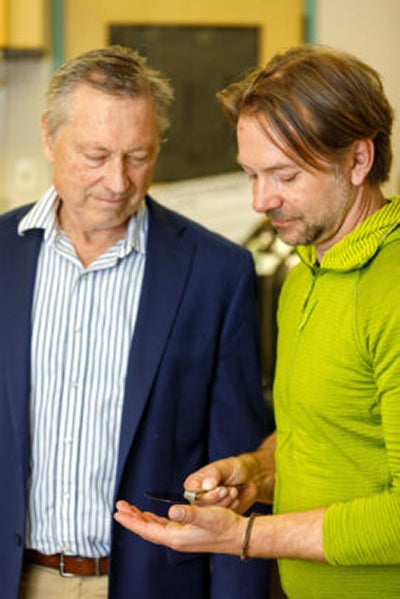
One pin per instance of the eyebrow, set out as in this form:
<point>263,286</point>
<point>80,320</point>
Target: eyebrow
<point>273,168</point>
<point>94,147</point>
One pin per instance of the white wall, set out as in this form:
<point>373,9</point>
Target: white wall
<point>24,172</point>
<point>370,30</point>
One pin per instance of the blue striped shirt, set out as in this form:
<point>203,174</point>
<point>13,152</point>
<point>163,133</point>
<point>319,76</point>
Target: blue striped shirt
<point>82,326</point>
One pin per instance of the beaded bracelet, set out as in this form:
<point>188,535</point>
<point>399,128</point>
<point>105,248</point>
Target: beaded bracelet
<point>246,539</point>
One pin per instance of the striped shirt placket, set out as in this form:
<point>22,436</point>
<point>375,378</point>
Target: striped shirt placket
<point>82,327</point>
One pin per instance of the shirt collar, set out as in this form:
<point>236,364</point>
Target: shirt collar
<point>43,215</point>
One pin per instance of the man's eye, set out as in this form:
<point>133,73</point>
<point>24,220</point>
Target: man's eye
<point>95,158</point>
<point>138,158</point>
<point>289,177</point>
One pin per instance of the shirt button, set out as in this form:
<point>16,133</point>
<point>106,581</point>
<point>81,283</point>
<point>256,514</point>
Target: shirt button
<point>17,540</point>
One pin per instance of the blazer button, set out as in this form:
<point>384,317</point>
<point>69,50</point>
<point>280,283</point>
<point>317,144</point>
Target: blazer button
<point>18,540</point>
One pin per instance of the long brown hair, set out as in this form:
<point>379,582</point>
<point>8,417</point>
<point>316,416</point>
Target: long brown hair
<point>317,101</point>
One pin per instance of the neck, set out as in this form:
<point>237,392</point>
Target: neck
<point>367,201</point>
<point>90,243</point>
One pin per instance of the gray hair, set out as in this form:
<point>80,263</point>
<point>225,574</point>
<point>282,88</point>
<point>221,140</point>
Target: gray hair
<point>114,70</point>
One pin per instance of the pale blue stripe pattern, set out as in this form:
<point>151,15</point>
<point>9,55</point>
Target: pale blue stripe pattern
<point>82,326</point>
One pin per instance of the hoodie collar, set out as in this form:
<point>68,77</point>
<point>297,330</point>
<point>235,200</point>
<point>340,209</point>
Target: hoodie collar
<point>361,244</point>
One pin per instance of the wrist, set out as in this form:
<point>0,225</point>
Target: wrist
<point>244,554</point>
<point>260,470</point>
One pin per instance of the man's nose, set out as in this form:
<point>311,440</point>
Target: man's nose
<point>117,179</point>
<point>265,197</point>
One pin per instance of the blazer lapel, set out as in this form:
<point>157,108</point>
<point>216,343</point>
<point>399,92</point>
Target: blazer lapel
<point>168,262</point>
<point>18,279</point>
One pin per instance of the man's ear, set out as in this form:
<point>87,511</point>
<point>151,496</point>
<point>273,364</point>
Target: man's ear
<point>362,154</point>
<point>47,140</point>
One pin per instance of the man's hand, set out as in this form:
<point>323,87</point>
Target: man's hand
<point>189,528</point>
<point>295,535</point>
<point>254,470</point>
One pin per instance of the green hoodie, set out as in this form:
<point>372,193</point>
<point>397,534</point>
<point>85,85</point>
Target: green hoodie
<point>337,407</point>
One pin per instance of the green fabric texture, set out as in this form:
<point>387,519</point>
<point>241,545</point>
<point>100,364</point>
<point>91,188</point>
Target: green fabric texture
<point>337,407</point>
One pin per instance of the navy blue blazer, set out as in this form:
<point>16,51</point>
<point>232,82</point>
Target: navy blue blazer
<point>193,395</point>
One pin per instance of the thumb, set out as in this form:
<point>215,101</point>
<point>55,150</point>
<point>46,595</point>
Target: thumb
<point>182,513</point>
<point>205,479</point>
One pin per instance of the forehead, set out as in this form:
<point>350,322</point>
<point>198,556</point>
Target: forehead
<point>258,145</point>
<point>87,99</point>
<point>109,119</point>
<point>261,147</point>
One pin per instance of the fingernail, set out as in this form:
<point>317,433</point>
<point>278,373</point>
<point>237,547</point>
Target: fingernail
<point>222,492</point>
<point>177,513</point>
<point>208,484</point>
